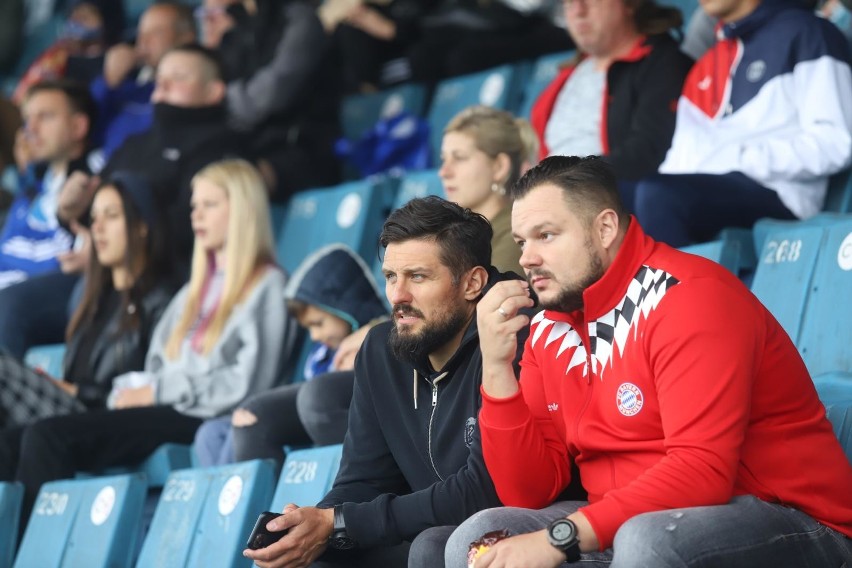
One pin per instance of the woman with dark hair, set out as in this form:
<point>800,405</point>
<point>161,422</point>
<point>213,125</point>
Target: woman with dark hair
<point>110,330</point>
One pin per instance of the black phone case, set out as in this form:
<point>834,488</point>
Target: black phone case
<point>260,537</point>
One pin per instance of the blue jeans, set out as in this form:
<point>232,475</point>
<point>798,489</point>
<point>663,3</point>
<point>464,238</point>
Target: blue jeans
<point>745,533</point>
<point>35,312</point>
<point>680,210</point>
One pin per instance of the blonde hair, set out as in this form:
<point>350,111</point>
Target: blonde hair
<point>248,250</point>
<point>496,132</point>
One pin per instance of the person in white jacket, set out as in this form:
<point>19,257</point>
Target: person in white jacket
<point>761,125</point>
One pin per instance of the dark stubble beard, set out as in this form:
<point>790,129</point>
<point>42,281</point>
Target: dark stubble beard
<point>415,348</point>
<point>570,297</point>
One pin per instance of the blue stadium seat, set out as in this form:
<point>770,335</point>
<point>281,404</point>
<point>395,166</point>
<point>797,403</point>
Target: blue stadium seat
<point>277,214</point>
<point>11,495</point>
<point>499,87</point>
<point>826,334</point>
<point>46,359</point>
<point>785,268</point>
<point>358,113</point>
<point>307,476</point>
<point>724,252</point>
<point>205,515</point>
<point>350,213</point>
<point>835,392</point>
<point>839,196</point>
<point>85,522</point>
<point>544,70</point>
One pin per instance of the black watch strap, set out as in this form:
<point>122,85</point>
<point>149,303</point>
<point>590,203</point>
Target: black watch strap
<point>339,538</point>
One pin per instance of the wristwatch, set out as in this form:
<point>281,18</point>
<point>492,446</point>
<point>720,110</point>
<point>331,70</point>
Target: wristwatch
<point>339,538</point>
<point>562,535</point>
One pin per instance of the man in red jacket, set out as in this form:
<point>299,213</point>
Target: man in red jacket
<point>689,412</point>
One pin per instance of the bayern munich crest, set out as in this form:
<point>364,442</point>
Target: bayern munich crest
<point>629,399</point>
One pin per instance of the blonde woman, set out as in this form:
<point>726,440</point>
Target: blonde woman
<point>224,336</point>
<point>484,151</point>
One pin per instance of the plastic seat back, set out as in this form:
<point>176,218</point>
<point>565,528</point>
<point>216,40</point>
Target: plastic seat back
<point>175,520</point>
<point>497,87</point>
<point>53,514</point>
<point>785,268</point>
<point>307,476</point>
<point>238,493</point>
<point>358,113</point>
<point>544,70</point>
<point>11,496</point>
<point>724,252</point>
<point>826,337</point>
<point>46,358</point>
<point>106,529</point>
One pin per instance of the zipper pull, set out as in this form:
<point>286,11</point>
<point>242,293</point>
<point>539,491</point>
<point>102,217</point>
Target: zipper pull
<point>434,395</point>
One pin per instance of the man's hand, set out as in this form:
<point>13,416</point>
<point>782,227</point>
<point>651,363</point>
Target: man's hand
<point>118,63</point>
<point>371,22</point>
<point>344,357</point>
<point>75,261</point>
<point>309,531</point>
<point>132,398</point>
<point>498,323</point>
<point>76,195</point>
<point>69,388</point>
<point>531,550</point>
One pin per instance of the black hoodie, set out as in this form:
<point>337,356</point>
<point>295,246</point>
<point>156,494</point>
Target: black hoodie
<point>412,457</point>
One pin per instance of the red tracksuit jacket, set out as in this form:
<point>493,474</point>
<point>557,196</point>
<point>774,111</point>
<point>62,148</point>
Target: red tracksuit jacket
<point>675,388</point>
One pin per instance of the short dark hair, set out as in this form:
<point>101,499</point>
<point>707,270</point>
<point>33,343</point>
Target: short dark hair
<point>79,98</point>
<point>215,71</point>
<point>296,308</point>
<point>588,184</point>
<point>184,18</point>
<point>463,236</point>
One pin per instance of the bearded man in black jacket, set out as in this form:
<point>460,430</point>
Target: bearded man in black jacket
<point>412,457</point>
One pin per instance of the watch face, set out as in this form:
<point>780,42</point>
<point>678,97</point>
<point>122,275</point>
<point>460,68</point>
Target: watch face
<point>563,531</point>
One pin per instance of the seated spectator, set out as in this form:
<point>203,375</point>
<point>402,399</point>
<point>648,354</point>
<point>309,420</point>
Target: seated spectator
<point>220,340</point>
<point>411,457</point>
<point>485,151</point>
<point>52,144</point>
<point>760,126</point>
<point>283,90</point>
<point>630,68</point>
<point>91,27</point>
<point>123,91</point>
<point>691,415</point>
<point>188,133</point>
<point>381,43</point>
<point>331,294</point>
<point>111,328</point>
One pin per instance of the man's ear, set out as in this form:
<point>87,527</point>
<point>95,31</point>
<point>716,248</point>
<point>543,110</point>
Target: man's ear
<point>606,227</point>
<point>474,283</point>
<point>217,91</point>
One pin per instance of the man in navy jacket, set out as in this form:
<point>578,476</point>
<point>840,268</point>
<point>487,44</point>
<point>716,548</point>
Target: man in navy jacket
<point>412,457</point>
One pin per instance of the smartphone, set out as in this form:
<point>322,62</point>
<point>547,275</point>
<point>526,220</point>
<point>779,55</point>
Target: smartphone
<point>260,537</point>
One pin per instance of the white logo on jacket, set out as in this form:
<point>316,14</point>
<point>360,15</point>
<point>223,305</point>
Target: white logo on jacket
<point>615,328</point>
<point>755,70</point>
<point>629,399</point>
